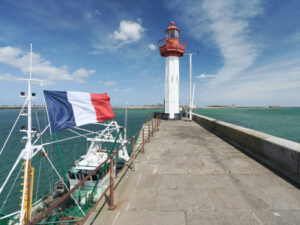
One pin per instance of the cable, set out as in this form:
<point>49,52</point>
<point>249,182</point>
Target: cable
<point>38,183</point>
<point>12,128</point>
<point>11,187</point>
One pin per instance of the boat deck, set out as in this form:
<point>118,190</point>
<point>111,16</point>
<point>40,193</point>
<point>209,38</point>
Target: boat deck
<point>190,176</point>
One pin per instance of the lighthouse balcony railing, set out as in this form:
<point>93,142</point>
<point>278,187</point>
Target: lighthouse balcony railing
<point>172,44</point>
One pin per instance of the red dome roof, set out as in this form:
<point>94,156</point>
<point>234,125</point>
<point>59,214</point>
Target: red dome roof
<point>172,27</point>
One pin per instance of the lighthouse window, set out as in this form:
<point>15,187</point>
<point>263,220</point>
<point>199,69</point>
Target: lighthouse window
<point>172,34</point>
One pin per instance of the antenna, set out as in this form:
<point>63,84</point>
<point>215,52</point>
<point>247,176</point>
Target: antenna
<point>30,68</point>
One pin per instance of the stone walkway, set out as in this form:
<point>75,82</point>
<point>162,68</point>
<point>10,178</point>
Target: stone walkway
<point>189,176</point>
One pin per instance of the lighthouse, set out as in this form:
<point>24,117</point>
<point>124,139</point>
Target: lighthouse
<point>172,47</point>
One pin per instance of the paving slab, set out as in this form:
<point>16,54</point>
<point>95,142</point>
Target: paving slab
<point>189,176</point>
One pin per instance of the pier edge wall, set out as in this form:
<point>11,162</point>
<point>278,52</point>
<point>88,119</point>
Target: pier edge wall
<point>278,153</point>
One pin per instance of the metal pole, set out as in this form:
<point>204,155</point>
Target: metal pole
<point>149,132</point>
<point>152,127</point>
<point>191,86</point>
<point>143,141</point>
<point>125,121</point>
<point>112,205</point>
<point>193,95</point>
<point>133,151</point>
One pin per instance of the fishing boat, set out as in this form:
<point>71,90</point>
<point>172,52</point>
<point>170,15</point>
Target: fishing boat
<point>101,143</point>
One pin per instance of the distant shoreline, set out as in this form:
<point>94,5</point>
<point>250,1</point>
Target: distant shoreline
<point>114,107</point>
<point>247,107</point>
<point>161,107</point>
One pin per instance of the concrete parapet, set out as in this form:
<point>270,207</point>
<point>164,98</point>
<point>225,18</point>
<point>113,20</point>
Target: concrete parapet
<point>281,154</point>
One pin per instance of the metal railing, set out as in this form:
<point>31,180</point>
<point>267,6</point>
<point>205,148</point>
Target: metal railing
<point>176,44</point>
<point>152,125</point>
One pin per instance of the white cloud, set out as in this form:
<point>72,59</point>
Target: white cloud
<point>277,83</point>
<point>226,23</point>
<point>294,38</point>
<point>203,76</point>
<point>17,58</point>
<point>129,31</point>
<point>88,15</point>
<point>8,77</point>
<point>82,73</point>
<point>110,83</point>
<point>229,21</point>
<point>97,12</point>
<point>127,90</point>
<point>123,90</point>
<point>152,47</point>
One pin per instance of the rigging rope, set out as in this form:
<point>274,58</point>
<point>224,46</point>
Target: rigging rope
<point>64,183</point>
<point>11,187</point>
<point>48,175</point>
<point>52,182</point>
<point>47,139</point>
<point>38,181</point>
<point>12,128</point>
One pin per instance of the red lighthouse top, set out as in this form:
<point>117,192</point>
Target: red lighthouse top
<point>172,45</point>
<point>172,27</point>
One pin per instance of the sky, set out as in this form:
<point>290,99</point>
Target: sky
<point>249,51</point>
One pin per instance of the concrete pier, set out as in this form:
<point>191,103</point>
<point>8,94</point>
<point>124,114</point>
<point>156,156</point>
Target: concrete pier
<point>187,175</point>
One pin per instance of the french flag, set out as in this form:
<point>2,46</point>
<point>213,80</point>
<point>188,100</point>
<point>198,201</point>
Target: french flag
<point>67,109</point>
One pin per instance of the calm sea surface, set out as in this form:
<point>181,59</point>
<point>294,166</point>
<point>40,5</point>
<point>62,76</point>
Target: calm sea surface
<point>280,122</point>
<point>71,151</point>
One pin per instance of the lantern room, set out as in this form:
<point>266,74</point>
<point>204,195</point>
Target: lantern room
<point>172,45</point>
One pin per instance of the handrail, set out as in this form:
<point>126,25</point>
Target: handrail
<point>165,39</point>
<point>111,184</point>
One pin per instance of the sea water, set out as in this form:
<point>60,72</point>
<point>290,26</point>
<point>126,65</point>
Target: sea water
<point>279,122</point>
<point>70,150</point>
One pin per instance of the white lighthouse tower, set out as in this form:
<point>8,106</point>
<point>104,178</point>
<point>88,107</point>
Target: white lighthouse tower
<point>172,47</point>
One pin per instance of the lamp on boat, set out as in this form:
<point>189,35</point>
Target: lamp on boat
<point>22,93</point>
<point>22,127</point>
<point>33,94</point>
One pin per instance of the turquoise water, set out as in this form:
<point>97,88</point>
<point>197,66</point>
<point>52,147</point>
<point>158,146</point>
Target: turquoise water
<point>280,122</point>
<point>71,150</point>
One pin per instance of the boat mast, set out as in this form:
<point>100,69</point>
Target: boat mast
<point>28,170</point>
<point>125,121</point>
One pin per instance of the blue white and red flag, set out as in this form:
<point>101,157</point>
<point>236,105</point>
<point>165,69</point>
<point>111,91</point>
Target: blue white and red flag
<point>67,109</point>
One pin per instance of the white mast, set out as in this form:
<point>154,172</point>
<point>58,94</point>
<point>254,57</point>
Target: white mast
<point>28,171</point>
<point>191,86</point>
<point>125,121</point>
<point>29,134</point>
